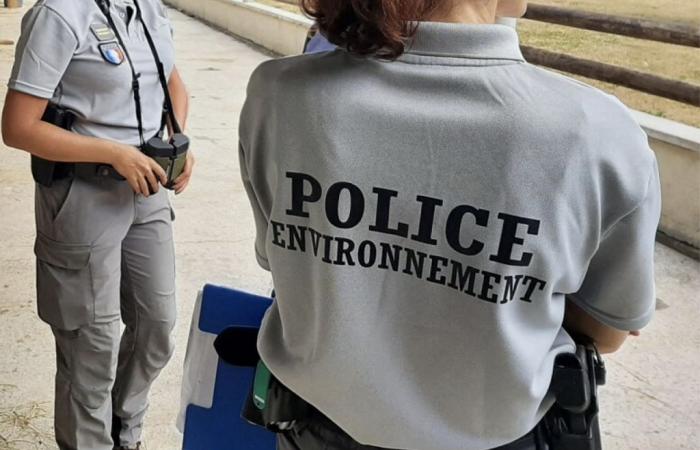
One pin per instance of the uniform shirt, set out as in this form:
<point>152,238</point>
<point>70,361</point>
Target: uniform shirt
<point>58,57</point>
<point>424,220</point>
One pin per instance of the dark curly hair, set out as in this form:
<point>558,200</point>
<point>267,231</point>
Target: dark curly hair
<point>369,27</point>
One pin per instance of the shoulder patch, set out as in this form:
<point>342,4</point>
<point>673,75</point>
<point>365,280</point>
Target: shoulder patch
<point>102,32</point>
<point>112,53</point>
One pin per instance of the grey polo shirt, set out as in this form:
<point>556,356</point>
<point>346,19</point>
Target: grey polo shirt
<point>424,220</point>
<point>66,54</point>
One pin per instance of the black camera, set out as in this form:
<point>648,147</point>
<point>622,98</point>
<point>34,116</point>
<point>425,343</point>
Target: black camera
<point>171,155</point>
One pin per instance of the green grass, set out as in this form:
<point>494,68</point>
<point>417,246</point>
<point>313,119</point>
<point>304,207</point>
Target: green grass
<point>666,60</point>
<point>682,11</point>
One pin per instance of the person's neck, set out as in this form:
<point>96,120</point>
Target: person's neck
<point>475,12</point>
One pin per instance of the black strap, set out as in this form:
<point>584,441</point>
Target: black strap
<point>135,85</point>
<point>104,6</point>
<point>161,71</point>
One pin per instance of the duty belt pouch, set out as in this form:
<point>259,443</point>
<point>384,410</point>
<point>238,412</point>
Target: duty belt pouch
<point>269,403</point>
<point>45,172</point>
<point>279,407</point>
<point>572,423</point>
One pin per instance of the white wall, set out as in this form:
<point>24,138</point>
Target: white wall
<point>274,29</point>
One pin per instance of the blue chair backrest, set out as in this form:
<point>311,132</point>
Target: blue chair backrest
<point>221,426</point>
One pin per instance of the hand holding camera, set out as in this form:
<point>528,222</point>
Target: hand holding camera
<point>170,155</point>
<point>142,173</point>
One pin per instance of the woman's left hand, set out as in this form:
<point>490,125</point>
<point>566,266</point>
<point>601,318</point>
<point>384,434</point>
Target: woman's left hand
<point>184,179</point>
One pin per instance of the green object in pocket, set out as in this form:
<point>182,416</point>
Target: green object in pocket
<point>261,385</point>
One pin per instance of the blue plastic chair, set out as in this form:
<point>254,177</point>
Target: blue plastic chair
<point>221,426</point>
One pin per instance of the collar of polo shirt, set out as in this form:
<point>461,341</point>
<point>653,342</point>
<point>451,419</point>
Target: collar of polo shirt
<point>469,44</point>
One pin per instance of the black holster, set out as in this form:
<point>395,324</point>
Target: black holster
<point>44,171</point>
<point>282,409</point>
<point>572,423</point>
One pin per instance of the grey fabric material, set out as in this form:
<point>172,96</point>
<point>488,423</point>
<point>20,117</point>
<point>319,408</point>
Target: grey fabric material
<point>104,253</point>
<point>86,359</point>
<point>58,57</point>
<point>424,220</point>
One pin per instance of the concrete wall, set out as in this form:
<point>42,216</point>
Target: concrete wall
<point>677,146</point>
<point>279,31</point>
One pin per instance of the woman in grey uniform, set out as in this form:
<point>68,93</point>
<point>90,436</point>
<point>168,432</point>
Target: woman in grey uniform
<point>439,218</point>
<point>104,242</point>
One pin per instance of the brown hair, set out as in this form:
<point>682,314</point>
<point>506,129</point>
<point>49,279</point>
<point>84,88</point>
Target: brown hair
<point>366,27</point>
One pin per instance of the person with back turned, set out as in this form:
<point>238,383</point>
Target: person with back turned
<point>92,88</point>
<point>440,218</point>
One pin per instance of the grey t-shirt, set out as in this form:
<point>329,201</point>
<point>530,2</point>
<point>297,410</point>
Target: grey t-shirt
<point>67,54</point>
<point>424,220</point>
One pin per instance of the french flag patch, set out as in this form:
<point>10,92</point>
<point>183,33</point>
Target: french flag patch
<point>112,53</point>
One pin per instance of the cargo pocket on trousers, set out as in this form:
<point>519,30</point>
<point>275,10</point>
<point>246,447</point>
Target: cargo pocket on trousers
<point>65,297</point>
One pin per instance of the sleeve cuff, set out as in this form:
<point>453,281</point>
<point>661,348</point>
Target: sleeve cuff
<point>262,261</point>
<point>619,323</point>
<point>27,88</point>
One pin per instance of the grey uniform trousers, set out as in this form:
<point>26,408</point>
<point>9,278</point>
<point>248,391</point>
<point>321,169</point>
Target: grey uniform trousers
<point>104,253</point>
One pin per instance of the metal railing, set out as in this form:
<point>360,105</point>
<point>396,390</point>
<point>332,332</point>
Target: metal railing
<point>670,33</point>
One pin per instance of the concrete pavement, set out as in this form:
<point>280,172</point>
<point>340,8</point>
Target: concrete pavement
<point>651,401</point>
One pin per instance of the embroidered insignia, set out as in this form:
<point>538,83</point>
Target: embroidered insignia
<point>102,32</point>
<point>112,53</point>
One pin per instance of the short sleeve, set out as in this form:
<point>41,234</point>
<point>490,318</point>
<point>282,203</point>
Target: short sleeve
<point>261,222</point>
<point>618,288</point>
<point>163,14</point>
<point>44,50</point>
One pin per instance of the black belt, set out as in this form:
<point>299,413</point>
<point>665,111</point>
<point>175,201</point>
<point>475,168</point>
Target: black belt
<point>91,170</point>
<point>326,434</point>
<point>571,424</point>
<point>296,415</point>
<point>85,171</point>
<point>318,432</point>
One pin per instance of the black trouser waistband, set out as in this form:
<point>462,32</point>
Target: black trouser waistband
<point>86,171</point>
<point>90,170</point>
<point>303,427</point>
<point>317,432</point>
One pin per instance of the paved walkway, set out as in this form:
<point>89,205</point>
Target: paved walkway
<point>652,399</point>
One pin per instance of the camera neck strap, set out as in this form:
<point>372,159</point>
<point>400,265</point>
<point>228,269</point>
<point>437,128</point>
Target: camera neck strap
<point>104,6</point>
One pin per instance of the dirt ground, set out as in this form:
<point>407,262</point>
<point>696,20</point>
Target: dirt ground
<point>684,11</point>
<point>649,403</point>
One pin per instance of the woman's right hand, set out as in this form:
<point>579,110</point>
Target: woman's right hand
<point>139,170</point>
<point>23,128</point>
